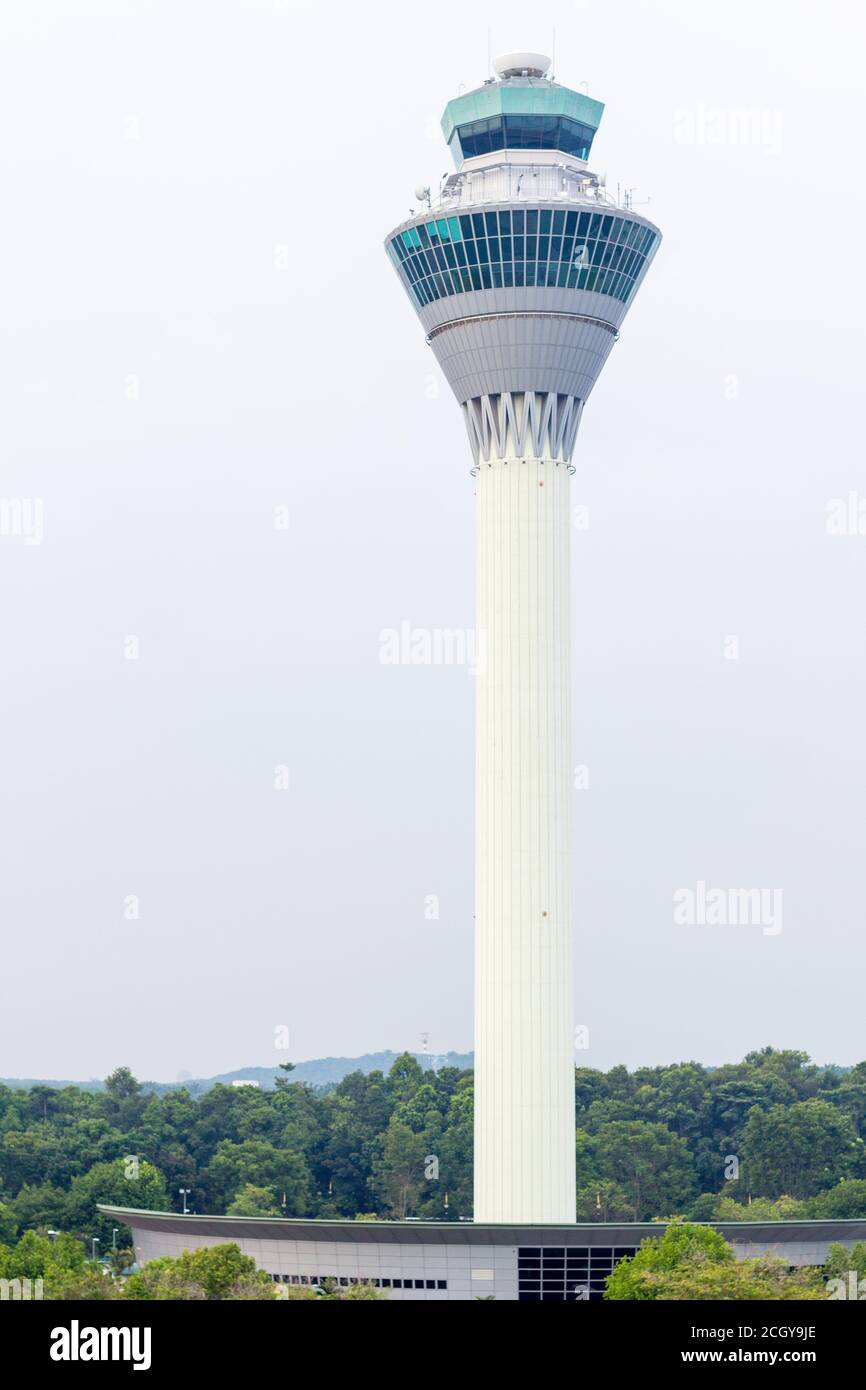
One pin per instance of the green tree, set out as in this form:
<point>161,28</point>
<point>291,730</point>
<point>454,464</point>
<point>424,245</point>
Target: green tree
<point>761,1209</point>
<point>121,1085</point>
<point>91,1284</point>
<point>162,1281</point>
<point>798,1149</point>
<point>705,1207</point>
<point>604,1200</point>
<point>589,1086</point>
<point>353,1293</point>
<point>120,1259</point>
<point>681,1245</point>
<point>355,1115</point>
<point>841,1259</point>
<point>647,1143</point>
<point>789,1069</point>
<point>164,1129</point>
<point>36,1255</point>
<point>8,1222</point>
<point>41,1205</point>
<point>254,1201</point>
<point>398,1173</point>
<point>844,1202</point>
<point>405,1077</point>
<point>34,1155</point>
<point>695,1264</point>
<point>762,1281</point>
<point>128,1182</point>
<point>648,1162</point>
<point>455,1151</point>
<point>281,1082</point>
<point>850,1095</point>
<point>258,1163</point>
<point>215,1272</point>
<point>682,1100</point>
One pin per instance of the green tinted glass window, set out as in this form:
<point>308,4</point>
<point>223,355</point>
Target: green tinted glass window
<point>549,248</point>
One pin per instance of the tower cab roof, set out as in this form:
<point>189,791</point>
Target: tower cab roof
<point>521,110</point>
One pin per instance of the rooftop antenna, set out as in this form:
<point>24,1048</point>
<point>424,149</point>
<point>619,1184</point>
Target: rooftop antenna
<point>553,57</point>
<point>489,59</point>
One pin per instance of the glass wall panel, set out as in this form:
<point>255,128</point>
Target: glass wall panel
<point>543,247</point>
<point>522,131</point>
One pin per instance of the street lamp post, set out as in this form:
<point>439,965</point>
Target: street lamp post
<point>184,1192</point>
<point>93,1244</point>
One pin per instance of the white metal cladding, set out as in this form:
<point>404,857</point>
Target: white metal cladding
<point>503,352</point>
<point>429,1272</point>
<point>524,1048</point>
<point>517,424</point>
<point>521,299</point>
<point>505,177</point>
<point>459,1254</point>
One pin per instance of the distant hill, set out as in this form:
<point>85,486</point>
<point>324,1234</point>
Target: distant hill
<point>324,1071</point>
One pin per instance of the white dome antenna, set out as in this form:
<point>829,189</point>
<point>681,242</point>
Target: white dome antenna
<point>522,65</point>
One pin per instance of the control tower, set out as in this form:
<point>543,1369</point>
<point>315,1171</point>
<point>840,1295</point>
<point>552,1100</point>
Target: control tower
<point>521,271</point>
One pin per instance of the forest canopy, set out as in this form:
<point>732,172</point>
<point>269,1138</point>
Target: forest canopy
<point>771,1136</point>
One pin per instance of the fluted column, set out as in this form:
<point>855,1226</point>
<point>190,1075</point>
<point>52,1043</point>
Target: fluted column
<point>524,1060</point>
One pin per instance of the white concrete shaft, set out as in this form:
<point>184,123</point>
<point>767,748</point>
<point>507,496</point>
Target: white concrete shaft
<point>524,1046</point>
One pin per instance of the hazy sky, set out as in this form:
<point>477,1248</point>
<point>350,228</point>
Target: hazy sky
<point>200,327</point>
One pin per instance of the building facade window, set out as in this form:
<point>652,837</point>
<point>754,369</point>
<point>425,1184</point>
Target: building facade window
<point>547,248</point>
<point>566,1274</point>
<point>310,1280</point>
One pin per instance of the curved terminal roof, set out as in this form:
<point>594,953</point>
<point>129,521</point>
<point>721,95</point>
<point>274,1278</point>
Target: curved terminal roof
<point>624,1233</point>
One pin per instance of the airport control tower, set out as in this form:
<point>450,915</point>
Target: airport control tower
<point>521,271</point>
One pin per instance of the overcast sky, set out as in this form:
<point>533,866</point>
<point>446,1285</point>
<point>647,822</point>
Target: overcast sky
<point>200,328</point>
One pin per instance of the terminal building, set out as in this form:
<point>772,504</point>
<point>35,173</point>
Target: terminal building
<point>457,1261</point>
